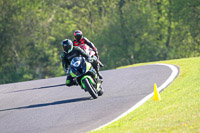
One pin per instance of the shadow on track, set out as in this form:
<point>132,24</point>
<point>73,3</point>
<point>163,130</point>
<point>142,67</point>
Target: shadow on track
<point>37,88</point>
<point>50,104</point>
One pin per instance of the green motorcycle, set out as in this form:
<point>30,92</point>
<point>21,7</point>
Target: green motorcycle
<point>86,76</point>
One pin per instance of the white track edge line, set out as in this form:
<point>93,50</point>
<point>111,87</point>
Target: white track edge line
<point>165,84</point>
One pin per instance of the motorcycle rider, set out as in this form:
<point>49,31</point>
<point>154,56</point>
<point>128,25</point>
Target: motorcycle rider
<point>79,39</point>
<point>69,53</point>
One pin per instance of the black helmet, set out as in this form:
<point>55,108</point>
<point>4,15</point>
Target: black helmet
<point>67,45</point>
<point>78,35</point>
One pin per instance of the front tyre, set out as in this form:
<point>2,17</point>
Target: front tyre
<point>90,88</point>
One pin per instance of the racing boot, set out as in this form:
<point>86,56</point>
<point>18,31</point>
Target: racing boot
<point>99,74</point>
<point>100,63</point>
<point>74,82</point>
<point>71,83</point>
<point>95,65</point>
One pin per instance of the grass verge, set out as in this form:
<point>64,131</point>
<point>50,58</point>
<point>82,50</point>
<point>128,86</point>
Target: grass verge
<point>178,111</point>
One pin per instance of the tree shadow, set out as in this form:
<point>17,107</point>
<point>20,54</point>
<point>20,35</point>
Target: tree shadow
<point>50,104</point>
<point>38,88</point>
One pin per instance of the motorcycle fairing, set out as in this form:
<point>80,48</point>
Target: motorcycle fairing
<point>78,67</point>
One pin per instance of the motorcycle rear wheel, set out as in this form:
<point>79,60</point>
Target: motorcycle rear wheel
<point>100,93</point>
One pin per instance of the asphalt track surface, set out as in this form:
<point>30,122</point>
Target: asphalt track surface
<point>48,106</point>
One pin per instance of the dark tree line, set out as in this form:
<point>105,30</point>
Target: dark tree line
<point>124,31</point>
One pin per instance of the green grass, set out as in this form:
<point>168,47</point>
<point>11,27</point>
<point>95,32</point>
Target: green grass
<point>178,111</point>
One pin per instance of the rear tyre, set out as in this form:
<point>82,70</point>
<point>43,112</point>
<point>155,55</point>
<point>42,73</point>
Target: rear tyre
<point>100,93</point>
<point>90,88</point>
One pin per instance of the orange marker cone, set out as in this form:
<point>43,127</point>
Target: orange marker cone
<point>156,94</point>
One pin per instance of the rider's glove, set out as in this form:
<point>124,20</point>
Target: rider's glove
<point>96,52</point>
<point>97,55</point>
<point>66,70</point>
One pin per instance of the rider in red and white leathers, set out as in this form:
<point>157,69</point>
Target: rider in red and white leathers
<point>79,40</point>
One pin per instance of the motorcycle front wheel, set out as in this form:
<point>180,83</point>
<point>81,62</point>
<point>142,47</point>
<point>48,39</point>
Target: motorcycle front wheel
<point>90,88</point>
